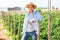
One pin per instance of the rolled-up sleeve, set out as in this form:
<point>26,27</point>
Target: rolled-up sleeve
<point>39,16</point>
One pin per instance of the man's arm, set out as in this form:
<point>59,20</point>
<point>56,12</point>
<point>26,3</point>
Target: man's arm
<point>39,18</point>
<point>32,21</point>
<point>25,23</point>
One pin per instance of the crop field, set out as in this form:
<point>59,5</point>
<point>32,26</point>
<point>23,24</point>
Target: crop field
<point>18,18</point>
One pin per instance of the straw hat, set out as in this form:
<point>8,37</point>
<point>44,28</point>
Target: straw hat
<point>31,4</point>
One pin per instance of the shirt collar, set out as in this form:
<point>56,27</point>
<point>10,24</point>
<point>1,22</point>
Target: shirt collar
<point>32,13</point>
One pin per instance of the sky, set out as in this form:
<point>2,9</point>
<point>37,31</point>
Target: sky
<point>22,3</point>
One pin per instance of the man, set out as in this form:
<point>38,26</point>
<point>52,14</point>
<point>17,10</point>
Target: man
<point>30,26</point>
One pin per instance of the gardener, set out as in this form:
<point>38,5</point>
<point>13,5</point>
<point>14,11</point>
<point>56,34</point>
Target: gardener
<point>30,26</point>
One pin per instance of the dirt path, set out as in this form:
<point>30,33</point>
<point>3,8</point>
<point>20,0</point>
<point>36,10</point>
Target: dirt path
<point>3,32</point>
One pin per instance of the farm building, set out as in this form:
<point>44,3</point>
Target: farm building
<point>14,9</point>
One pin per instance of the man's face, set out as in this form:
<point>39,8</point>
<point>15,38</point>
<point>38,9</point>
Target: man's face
<point>31,8</point>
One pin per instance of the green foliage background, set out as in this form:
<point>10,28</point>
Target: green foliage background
<point>55,25</point>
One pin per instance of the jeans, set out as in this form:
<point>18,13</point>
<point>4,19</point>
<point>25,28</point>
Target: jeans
<point>29,34</point>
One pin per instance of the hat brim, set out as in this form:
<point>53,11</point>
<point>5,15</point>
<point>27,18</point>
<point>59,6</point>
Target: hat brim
<point>33,5</point>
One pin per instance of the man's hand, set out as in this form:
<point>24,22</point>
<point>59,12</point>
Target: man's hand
<point>31,23</point>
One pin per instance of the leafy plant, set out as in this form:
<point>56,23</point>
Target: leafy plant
<point>55,25</point>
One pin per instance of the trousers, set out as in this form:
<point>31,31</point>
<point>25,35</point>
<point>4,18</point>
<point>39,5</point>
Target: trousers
<point>29,34</point>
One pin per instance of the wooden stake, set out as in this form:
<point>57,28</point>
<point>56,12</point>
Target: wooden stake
<point>49,20</point>
<point>49,27</point>
<point>19,29</point>
<point>14,27</point>
<point>38,38</point>
<point>9,21</point>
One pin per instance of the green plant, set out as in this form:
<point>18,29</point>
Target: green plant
<point>55,25</point>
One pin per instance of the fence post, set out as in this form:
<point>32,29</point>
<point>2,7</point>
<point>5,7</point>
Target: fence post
<point>19,29</point>
<point>49,27</point>
<point>3,15</point>
<point>38,37</point>
<point>9,21</point>
<point>49,20</point>
<point>14,27</point>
